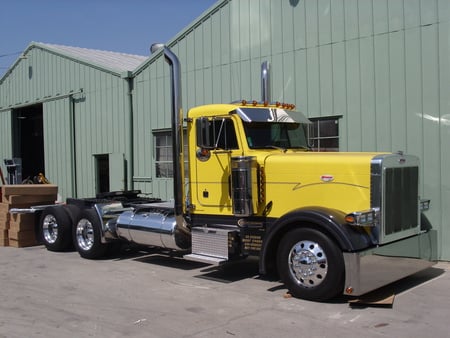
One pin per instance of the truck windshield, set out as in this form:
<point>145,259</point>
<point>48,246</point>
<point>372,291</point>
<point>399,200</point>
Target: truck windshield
<point>276,135</point>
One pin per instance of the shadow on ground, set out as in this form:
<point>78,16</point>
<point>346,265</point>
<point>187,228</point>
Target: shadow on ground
<point>248,268</point>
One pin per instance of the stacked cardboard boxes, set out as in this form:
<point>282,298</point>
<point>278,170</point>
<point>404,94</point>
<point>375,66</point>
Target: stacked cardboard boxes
<point>4,225</point>
<point>18,230</point>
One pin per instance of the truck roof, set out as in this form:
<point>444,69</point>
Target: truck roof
<point>212,109</point>
<point>257,112</point>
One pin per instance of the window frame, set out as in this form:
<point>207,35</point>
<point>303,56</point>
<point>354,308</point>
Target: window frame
<point>167,163</point>
<point>316,140</point>
<point>216,133</point>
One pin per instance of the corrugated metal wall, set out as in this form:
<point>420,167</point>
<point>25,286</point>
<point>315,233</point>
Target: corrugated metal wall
<point>5,137</point>
<point>58,142</point>
<point>151,106</point>
<point>101,121</point>
<point>382,64</point>
<point>39,75</point>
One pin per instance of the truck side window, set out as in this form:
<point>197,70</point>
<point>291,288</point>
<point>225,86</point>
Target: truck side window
<point>216,133</point>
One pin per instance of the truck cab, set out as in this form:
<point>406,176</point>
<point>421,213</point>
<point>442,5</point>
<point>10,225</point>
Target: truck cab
<point>218,133</point>
<point>255,188</point>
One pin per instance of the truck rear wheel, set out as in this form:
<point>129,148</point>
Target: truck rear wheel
<point>74,212</point>
<point>311,265</point>
<point>87,235</point>
<point>55,227</point>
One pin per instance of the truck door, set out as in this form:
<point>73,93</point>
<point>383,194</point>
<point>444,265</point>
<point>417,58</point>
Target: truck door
<point>216,144</point>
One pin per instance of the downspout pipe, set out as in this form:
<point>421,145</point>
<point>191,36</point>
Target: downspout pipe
<point>130,173</point>
<point>177,132</point>
<point>129,183</point>
<point>73,147</point>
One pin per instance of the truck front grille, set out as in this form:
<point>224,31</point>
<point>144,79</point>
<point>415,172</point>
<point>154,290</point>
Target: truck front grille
<point>394,191</point>
<point>400,207</point>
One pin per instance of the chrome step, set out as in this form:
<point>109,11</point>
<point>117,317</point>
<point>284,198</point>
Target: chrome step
<point>205,259</point>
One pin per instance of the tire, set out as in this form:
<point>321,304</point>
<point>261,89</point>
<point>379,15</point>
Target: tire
<point>311,265</point>
<point>87,235</point>
<point>74,212</point>
<point>56,228</point>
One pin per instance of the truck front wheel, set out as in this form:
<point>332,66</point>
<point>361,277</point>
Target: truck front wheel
<point>55,227</point>
<point>310,265</point>
<point>86,235</point>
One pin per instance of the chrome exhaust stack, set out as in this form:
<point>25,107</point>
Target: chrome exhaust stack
<point>177,128</point>
<point>177,134</point>
<point>265,82</point>
<point>163,224</point>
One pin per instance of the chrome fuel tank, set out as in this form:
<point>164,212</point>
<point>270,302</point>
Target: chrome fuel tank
<point>153,228</point>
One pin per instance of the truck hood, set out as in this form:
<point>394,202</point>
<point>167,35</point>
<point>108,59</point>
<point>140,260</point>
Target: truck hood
<point>338,180</point>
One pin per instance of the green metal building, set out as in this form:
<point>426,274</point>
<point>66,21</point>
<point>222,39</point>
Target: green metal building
<point>66,112</point>
<point>373,75</point>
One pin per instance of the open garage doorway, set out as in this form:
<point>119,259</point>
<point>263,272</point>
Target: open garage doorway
<point>28,139</point>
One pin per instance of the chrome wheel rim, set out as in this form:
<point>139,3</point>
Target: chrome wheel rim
<point>50,229</point>
<point>308,264</point>
<point>84,234</point>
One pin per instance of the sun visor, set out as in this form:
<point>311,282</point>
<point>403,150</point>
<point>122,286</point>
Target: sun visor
<point>259,114</point>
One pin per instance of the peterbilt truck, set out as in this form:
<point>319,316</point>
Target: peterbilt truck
<point>326,223</point>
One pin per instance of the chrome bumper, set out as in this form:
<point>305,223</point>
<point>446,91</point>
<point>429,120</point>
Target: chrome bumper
<point>373,268</point>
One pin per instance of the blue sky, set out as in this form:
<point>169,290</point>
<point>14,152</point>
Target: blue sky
<point>128,26</point>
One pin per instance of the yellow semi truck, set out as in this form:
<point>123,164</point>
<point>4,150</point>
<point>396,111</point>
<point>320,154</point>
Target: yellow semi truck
<point>327,223</point>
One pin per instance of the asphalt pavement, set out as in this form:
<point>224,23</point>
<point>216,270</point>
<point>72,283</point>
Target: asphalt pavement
<point>150,294</point>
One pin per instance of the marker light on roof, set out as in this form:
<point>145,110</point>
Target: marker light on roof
<point>277,104</point>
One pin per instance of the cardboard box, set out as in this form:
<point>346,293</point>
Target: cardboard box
<point>4,239</point>
<point>30,199</point>
<point>18,230</point>
<point>5,207</point>
<point>22,218</point>
<point>3,234</point>
<point>22,222</point>
<point>22,236</point>
<point>4,242</point>
<point>5,217</point>
<point>21,244</point>
<point>4,225</point>
<point>29,189</point>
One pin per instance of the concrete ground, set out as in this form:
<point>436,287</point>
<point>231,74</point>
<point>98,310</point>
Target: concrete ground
<point>148,294</point>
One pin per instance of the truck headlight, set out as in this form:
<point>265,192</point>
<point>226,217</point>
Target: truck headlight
<point>367,218</point>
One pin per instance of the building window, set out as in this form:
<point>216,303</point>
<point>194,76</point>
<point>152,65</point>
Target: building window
<point>324,133</point>
<point>162,140</point>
